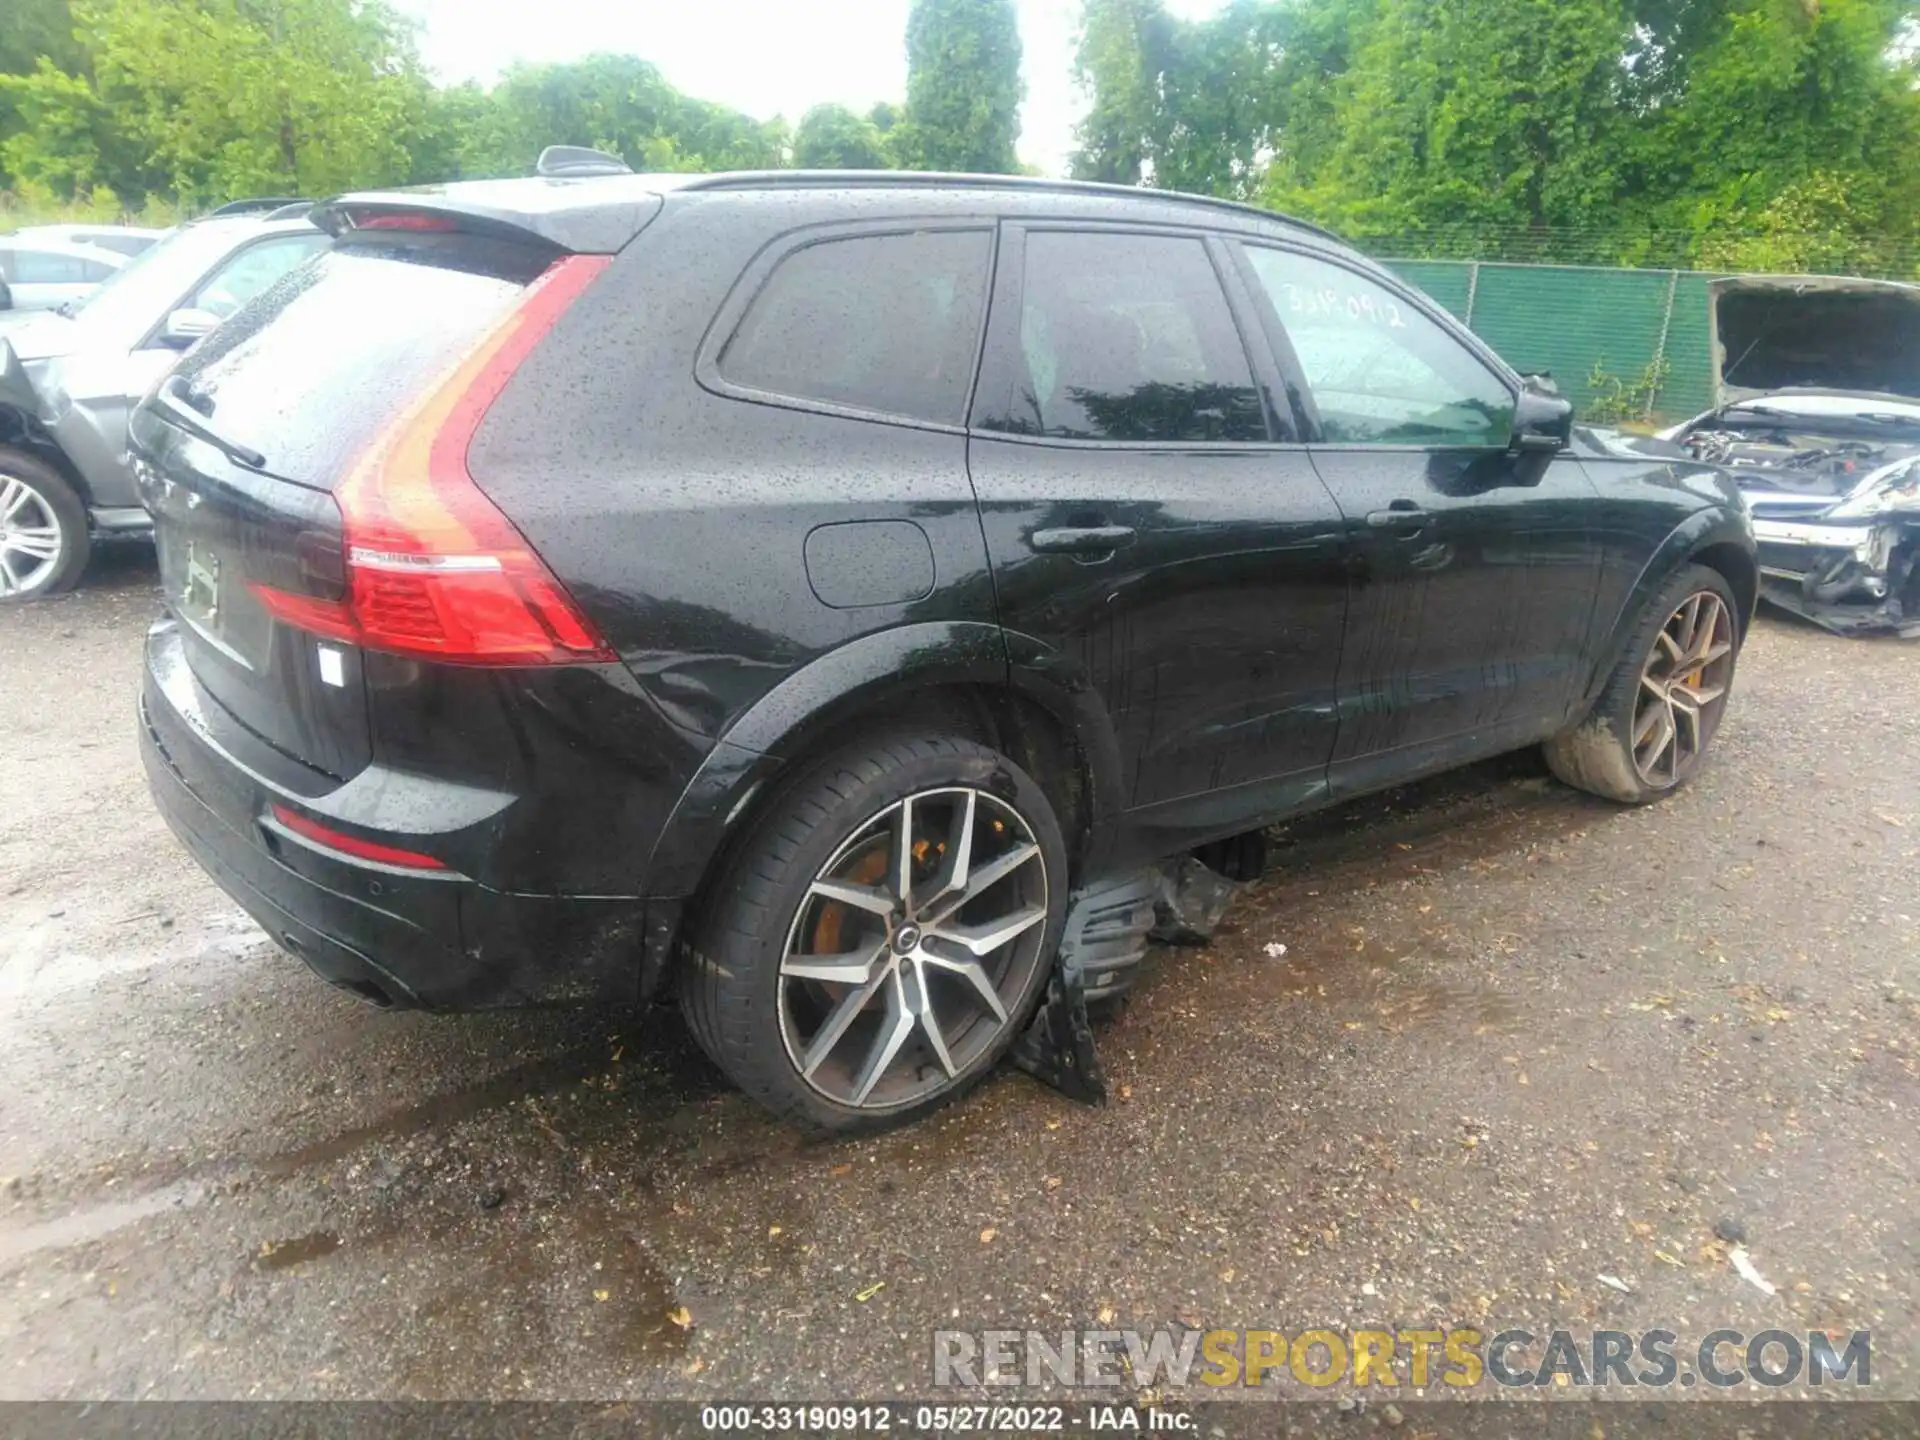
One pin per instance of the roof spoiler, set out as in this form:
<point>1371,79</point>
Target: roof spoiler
<point>559,162</point>
<point>257,206</point>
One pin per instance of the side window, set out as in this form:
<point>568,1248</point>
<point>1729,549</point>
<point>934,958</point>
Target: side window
<point>1125,337</point>
<point>245,274</point>
<point>40,267</point>
<point>94,271</point>
<point>1381,372</point>
<point>885,323</point>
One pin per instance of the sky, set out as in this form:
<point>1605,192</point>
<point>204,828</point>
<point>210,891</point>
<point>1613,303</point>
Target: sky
<point>765,57</point>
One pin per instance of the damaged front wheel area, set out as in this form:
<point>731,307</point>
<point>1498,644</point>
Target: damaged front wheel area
<point>1662,706</point>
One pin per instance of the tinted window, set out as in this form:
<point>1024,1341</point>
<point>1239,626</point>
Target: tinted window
<point>251,271</point>
<point>1379,369</point>
<point>1126,337</point>
<point>887,323</point>
<point>312,370</point>
<point>94,271</point>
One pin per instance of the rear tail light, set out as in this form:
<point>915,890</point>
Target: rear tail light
<point>327,838</point>
<point>433,567</point>
<point>402,220</point>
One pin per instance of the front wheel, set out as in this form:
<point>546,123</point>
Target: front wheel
<point>43,530</point>
<point>881,938</point>
<point>1649,733</point>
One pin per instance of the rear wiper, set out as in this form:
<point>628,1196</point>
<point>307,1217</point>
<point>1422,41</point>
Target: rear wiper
<point>178,400</point>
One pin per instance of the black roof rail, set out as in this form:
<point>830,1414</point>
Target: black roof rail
<point>562,161</point>
<point>774,179</point>
<point>256,206</point>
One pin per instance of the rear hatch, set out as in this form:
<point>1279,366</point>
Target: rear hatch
<point>262,457</point>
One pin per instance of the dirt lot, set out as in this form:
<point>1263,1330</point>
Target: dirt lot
<point>1518,1040</point>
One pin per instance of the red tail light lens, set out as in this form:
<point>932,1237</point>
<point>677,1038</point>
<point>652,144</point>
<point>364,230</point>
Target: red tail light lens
<point>404,220</point>
<point>330,839</point>
<point>433,567</point>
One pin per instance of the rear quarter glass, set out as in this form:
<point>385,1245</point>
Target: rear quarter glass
<point>315,368</point>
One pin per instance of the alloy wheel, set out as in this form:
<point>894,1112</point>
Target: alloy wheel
<point>1683,689</point>
<point>911,952</point>
<point>30,540</point>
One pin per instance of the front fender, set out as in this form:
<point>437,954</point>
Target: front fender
<point>1704,529</point>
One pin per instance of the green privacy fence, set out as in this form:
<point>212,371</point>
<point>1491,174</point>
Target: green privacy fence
<point>1622,344</point>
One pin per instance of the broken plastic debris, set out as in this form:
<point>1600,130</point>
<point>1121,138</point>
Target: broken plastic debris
<point>1276,951</point>
<point>1738,1255</point>
<point>1614,1282</point>
<point>1193,901</point>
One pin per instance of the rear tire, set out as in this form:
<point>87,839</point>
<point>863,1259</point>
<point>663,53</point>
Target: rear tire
<point>1649,733</point>
<point>44,542</point>
<point>843,1018</point>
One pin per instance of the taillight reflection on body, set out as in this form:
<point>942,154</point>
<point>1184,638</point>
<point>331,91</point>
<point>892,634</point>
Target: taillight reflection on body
<point>434,568</point>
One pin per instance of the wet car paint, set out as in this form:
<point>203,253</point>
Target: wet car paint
<point>1237,663</point>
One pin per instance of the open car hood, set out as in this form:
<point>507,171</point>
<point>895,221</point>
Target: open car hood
<point>1810,333</point>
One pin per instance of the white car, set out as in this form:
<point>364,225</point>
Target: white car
<point>1833,480</point>
<point>127,240</point>
<point>38,274</point>
<point>69,377</point>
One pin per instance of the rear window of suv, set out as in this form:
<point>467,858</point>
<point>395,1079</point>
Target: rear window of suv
<point>312,370</point>
<point>886,324</point>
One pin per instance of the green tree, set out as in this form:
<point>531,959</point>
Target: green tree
<point>1797,139</point>
<point>963,86</point>
<point>1493,118</point>
<point>36,30</point>
<point>832,137</point>
<point>617,103</point>
<point>1209,106</point>
<point>206,99</point>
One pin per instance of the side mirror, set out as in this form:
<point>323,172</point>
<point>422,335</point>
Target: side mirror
<point>6,296</point>
<point>186,326</point>
<point>1542,424</point>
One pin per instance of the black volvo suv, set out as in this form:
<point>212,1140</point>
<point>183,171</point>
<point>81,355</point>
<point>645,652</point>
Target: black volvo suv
<point>797,589</point>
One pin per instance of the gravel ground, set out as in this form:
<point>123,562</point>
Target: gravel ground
<point>1518,1040</point>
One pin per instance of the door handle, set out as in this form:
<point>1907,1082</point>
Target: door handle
<point>1403,517</point>
<point>1082,540</point>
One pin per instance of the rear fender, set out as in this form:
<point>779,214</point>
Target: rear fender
<point>841,689</point>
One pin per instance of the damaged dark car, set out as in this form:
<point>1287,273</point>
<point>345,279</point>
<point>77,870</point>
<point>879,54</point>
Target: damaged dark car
<point>1820,425</point>
<point>865,606</point>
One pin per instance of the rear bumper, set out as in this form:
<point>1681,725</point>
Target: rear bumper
<point>393,936</point>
